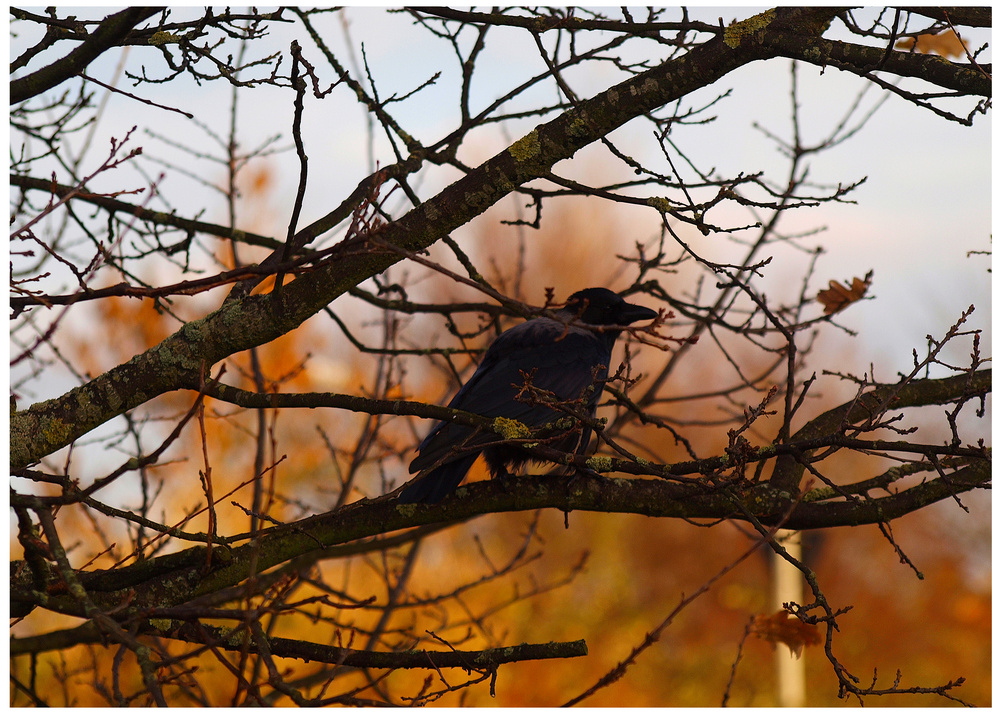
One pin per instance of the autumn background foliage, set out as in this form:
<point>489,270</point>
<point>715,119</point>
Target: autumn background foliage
<point>675,611</point>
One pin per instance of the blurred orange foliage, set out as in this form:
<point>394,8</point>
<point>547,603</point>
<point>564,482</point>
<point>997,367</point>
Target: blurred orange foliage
<point>605,578</point>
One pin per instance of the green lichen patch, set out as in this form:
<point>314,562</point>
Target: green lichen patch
<point>407,510</point>
<point>54,430</point>
<point>736,31</point>
<point>659,203</point>
<point>579,126</point>
<point>510,428</point>
<point>161,624</point>
<point>162,38</point>
<point>600,464</point>
<point>527,147</point>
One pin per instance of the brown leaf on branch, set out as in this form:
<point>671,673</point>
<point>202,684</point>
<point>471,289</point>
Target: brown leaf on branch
<point>838,295</point>
<point>786,629</point>
<point>945,44</point>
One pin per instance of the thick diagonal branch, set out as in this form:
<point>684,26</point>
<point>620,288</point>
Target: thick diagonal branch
<point>108,34</point>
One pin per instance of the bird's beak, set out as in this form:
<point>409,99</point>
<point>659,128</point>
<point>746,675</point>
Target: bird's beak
<point>633,313</point>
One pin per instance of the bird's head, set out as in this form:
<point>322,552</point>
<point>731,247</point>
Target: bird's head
<point>600,306</point>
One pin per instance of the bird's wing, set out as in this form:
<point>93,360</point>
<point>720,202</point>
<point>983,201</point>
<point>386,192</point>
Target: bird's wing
<point>556,359</point>
<point>559,360</point>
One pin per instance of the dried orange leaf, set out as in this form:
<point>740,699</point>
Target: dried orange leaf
<point>945,44</point>
<point>786,629</point>
<point>838,296</point>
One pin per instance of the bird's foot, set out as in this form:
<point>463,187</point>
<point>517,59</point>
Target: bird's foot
<point>504,479</point>
<point>581,473</point>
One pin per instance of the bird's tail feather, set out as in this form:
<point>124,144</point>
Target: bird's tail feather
<point>437,484</point>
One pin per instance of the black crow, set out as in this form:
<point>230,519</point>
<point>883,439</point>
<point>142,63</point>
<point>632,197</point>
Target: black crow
<point>560,356</point>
